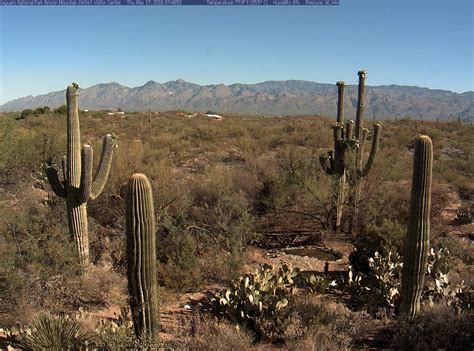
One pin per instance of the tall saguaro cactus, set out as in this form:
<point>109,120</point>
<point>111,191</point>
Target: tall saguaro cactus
<point>417,242</point>
<point>360,170</point>
<point>141,256</point>
<point>78,185</point>
<point>333,163</point>
<point>338,162</point>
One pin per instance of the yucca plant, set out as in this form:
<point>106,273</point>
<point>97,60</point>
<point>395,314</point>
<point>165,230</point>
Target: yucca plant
<point>49,332</point>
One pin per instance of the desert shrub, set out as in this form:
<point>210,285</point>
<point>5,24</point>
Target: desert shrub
<point>60,110</point>
<point>182,271</point>
<point>221,217</point>
<point>35,250</point>
<point>38,111</point>
<point>321,324</point>
<point>436,327</point>
<point>179,265</point>
<point>388,203</point>
<point>303,188</point>
<point>41,266</point>
<point>27,112</point>
<point>201,332</point>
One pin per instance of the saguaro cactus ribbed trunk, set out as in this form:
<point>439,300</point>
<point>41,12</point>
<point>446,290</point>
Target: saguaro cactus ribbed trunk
<point>78,186</point>
<point>339,171</point>
<point>417,242</point>
<point>141,256</point>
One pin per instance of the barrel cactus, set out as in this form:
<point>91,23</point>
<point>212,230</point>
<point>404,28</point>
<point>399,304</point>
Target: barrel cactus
<point>345,160</point>
<point>417,241</point>
<point>78,185</point>
<point>141,256</point>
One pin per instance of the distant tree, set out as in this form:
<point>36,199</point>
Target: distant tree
<point>38,111</point>
<point>46,109</point>
<point>61,110</point>
<point>26,113</point>
<point>119,110</point>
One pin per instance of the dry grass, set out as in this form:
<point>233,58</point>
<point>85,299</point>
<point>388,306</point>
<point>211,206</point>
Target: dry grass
<point>207,333</point>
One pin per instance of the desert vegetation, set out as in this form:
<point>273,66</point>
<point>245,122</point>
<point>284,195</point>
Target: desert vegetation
<point>189,242</point>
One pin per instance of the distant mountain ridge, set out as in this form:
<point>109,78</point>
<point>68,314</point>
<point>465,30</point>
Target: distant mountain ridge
<point>290,97</point>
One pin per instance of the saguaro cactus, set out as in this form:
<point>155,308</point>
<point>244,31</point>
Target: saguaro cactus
<point>141,256</point>
<point>338,162</point>
<point>360,171</point>
<point>78,186</point>
<point>333,163</point>
<point>417,242</point>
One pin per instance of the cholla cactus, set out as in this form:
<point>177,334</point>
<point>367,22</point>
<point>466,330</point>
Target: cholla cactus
<point>338,162</point>
<point>417,241</point>
<point>141,256</point>
<point>78,185</point>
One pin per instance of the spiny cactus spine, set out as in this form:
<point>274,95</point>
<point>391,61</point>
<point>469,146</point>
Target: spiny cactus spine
<point>141,256</point>
<point>417,241</point>
<point>78,186</point>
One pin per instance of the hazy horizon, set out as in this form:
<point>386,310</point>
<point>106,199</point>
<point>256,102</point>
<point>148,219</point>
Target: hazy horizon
<point>177,79</point>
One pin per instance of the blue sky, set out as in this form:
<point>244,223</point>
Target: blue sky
<point>426,43</point>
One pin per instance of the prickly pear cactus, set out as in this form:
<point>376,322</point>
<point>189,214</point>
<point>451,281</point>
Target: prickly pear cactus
<point>417,241</point>
<point>141,256</point>
<point>78,185</point>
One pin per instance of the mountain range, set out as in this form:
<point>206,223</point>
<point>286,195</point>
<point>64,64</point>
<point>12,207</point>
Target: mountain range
<point>289,97</point>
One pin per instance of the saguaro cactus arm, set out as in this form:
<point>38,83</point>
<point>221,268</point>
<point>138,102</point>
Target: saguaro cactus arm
<point>374,148</point>
<point>53,179</point>
<point>340,102</point>
<point>73,137</point>
<point>417,241</point>
<point>100,178</point>
<point>86,174</point>
<point>350,129</point>
<point>360,104</point>
<point>325,162</point>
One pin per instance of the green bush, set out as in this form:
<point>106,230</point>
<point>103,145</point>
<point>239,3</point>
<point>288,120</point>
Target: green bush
<point>38,111</point>
<point>179,263</point>
<point>26,113</point>
<point>60,110</point>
